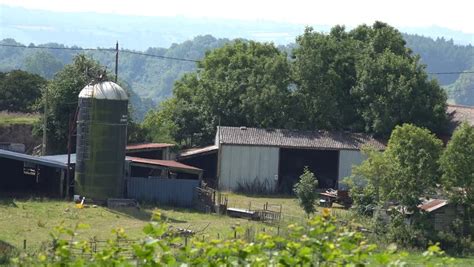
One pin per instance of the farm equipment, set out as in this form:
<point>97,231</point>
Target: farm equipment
<point>331,196</point>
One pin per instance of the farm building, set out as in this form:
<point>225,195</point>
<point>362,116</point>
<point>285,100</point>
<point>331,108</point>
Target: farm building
<point>150,150</point>
<point>163,181</point>
<point>24,175</point>
<point>205,159</point>
<point>440,212</point>
<point>275,158</point>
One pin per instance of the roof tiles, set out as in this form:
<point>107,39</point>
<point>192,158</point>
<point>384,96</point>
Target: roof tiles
<point>296,139</point>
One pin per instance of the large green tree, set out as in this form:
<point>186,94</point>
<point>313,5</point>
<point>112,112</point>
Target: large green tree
<point>458,171</point>
<point>242,83</point>
<point>364,80</point>
<point>20,90</point>
<point>62,98</point>
<point>392,86</point>
<point>324,70</point>
<point>412,154</point>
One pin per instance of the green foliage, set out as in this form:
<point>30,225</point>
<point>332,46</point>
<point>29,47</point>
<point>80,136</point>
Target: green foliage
<point>20,91</point>
<point>456,164</point>
<point>462,91</point>
<point>395,89</point>
<point>458,175</point>
<point>441,55</point>
<point>62,96</point>
<point>363,80</point>
<point>159,125</point>
<point>242,83</point>
<point>393,182</point>
<point>305,191</point>
<point>322,243</point>
<point>43,63</point>
<point>366,182</point>
<point>324,72</point>
<point>412,154</point>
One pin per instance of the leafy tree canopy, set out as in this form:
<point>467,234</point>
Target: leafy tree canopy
<point>243,83</point>
<point>413,154</point>
<point>20,90</point>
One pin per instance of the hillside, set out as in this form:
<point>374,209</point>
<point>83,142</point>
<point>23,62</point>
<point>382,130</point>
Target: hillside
<point>152,78</point>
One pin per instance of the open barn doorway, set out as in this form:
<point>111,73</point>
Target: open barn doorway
<point>323,163</point>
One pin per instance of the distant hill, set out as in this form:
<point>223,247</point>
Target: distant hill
<point>152,78</point>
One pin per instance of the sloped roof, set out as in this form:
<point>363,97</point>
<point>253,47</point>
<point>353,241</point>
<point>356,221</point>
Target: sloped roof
<point>147,146</point>
<point>174,165</point>
<point>32,159</point>
<point>198,151</point>
<point>165,163</point>
<point>458,114</point>
<point>296,139</point>
<point>433,204</point>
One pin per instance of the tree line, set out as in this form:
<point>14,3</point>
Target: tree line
<point>153,79</point>
<point>414,167</point>
<point>362,80</point>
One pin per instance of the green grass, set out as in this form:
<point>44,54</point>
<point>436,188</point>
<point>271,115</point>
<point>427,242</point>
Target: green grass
<point>33,220</point>
<point>415,258</point>
<point>7,118</point>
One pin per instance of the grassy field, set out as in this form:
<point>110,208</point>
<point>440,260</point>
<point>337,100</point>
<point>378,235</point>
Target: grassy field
<point>33,219</point>
<point>8,118</point>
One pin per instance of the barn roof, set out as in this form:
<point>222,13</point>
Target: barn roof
<point>147,146</point>
<point>32,159</point>
<point>296,139</point>
<point>458,114</point>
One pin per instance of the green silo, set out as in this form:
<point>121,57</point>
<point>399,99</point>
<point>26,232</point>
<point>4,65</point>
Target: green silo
<point>101,141</point>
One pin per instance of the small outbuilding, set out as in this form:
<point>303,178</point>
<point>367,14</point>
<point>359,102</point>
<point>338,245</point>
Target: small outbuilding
<point>440,212</point>
<point>26,175</point>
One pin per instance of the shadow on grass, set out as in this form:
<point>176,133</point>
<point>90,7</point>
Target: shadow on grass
<point>145,213</point>
<point>132,212</point>
<point>271,196</point>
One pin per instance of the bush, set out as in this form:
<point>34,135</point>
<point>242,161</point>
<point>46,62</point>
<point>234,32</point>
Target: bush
<point>305,191</point>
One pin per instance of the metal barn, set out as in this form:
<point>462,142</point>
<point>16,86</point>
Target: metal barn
<point>275,158</point>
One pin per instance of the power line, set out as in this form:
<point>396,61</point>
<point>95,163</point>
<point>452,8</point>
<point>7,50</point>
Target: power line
<point>169,58</point>
<point>102,49</point>
<point>453,72</point>
<point>157,56</point>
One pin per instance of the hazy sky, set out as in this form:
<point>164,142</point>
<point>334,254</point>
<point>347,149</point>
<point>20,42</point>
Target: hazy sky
<point>453,14</point>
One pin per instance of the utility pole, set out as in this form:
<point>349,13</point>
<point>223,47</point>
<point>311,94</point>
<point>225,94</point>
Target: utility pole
<point>45,120</point>
<point>116,61</point>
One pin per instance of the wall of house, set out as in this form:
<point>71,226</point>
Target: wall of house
<point>243,165</point>
<point>347,159</point>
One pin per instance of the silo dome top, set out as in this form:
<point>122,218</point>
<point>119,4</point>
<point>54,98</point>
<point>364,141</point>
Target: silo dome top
<point>104,90</point>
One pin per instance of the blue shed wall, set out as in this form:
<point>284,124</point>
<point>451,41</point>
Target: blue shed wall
<point>176,192</point>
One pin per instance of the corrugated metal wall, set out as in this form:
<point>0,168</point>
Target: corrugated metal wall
<point>347,159</point>
<point>244,164</point>
<point>176,192</point>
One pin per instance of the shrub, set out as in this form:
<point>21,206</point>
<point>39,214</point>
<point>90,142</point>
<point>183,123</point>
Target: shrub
<point>305,190</point>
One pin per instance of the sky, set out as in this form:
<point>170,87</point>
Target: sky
<point>452,14</point>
